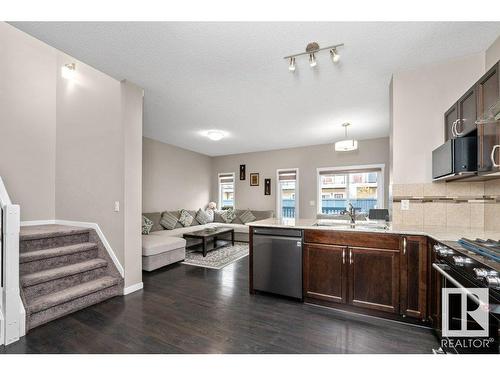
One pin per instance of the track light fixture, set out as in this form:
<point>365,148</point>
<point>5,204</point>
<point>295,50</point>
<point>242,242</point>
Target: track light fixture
<point>312,49</point>
<point>312,60</point>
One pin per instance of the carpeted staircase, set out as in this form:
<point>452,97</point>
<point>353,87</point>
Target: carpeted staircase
<point>63,269</point>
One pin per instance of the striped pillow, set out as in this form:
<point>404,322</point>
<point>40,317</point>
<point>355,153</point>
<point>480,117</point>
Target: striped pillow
<point>228,215</point>
<point>202,217</point>
<point>168,220</point>
<point>247,217</point>
<point>186,218</point>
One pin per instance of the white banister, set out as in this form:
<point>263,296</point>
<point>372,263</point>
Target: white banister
<point>12,325</point>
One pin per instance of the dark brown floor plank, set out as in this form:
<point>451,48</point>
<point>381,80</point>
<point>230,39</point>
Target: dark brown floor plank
<point>185,309</point>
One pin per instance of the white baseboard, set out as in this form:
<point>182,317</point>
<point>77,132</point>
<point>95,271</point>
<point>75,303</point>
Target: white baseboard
<point>132,288</point>
<point>94,226</point>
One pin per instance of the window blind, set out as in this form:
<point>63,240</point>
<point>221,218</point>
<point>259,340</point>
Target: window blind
<point>226,177</point>
<point>347,171</point>
<point>290,175</point>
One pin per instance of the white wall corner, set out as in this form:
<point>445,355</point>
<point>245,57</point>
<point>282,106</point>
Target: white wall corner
<point>132,288</point>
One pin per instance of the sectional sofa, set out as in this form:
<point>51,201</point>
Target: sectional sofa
<point>163,246</point>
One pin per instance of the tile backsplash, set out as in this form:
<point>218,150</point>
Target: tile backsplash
<point>468,205</point>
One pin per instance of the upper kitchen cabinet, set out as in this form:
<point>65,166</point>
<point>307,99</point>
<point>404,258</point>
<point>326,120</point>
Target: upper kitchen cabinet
<point>488,90</point>
<point>488,99</point>
<point>450,120</point>
<point>460,119</point>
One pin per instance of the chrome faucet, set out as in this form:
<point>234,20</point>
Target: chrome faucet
<point>351,213</point>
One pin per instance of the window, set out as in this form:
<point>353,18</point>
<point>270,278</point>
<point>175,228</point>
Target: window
<point>226,190</point>
<point>287,192</point>
<point>361,186</point>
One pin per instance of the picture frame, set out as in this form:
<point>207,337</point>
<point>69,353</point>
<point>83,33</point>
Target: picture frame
<point>254,179</point>
<point>242,172</point>
<point>267,186</point>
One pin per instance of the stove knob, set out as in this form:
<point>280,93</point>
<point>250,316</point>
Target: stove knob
<point>461,260</point>
<point>493,281</point>
<point>437,248</point>
<point>480,272</point>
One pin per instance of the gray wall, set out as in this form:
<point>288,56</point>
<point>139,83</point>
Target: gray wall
<point>28,122</point>
<point>174,178</point>
<point>307,159</point>
<point>70,146</point>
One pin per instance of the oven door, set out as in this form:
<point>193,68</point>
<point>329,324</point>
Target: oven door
<point>456,319</point>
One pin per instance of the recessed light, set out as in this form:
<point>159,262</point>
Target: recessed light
<point>215,135</point>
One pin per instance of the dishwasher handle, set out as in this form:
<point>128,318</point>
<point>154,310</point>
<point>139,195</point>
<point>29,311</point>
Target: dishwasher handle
<point>280,238</point>
<point>278,232</point>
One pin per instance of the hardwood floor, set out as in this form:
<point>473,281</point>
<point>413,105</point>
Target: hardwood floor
<point>185,309</point>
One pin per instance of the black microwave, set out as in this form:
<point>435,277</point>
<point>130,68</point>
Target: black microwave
<point>454,159</point>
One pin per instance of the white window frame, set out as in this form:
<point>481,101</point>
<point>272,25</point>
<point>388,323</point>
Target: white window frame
<point>380,182</point>
<point>278,192</point>
<point>219,189</point>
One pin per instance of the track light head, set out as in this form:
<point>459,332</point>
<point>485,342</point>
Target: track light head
<point>291,66</point>
<point>334,55</point>
<point>312,60</point>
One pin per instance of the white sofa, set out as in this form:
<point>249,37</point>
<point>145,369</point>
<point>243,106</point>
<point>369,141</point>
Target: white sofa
<point>162,247</point>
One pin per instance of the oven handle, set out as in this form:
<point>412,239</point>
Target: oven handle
<point>437,267</point>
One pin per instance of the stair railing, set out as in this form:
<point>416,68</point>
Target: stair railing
<point>11,306</point>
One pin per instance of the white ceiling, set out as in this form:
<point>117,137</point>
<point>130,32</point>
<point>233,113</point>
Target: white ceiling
<point>232,76</point>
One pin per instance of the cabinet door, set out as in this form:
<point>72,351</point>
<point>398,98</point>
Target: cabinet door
<point>414,277</point>
<point>467,113</point>
<point>488,93</point>
<point>434,292</point>
<point>374,279</point>
<point>450,118</point>
<point>325,272</point>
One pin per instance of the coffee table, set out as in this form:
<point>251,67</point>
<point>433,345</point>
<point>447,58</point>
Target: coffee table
<point>207,234</point>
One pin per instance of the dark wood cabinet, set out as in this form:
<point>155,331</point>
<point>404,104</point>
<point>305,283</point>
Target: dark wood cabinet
<point>450,120</point>
<point>488,94</point>
<point>467,113</point>
<point>413,271</point>
<point>460,119</point>
<point>374,279</point>
<point>434,292</point>
<point>325,272</point>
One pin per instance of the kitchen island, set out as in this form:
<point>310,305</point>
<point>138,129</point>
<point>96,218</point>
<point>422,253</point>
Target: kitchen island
<point>371,269</point>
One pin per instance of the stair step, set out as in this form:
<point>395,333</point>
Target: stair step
<point>32,256</point>
<point>61,272</point>
<point>42,237</point>
<point>69,294</point>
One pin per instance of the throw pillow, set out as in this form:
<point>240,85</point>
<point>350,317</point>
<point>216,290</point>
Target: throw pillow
<point>228,215</point>
<point>202,217</point>
<point>168,220</point>
<point>186,219</point>
<point>247,217</point>
<point>210,214</point>
<point>146,225</point>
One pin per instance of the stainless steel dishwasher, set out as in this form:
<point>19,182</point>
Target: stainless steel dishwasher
<point>277,261</point>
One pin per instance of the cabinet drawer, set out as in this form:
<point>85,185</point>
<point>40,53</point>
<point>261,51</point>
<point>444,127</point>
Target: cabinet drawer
<point>361,239</point>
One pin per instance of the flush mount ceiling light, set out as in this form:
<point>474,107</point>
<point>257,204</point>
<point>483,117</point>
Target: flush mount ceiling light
<point>346,144</point>
<point>312,49</point>
<point>215,135</point>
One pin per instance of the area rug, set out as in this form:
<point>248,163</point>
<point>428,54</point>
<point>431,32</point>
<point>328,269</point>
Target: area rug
<point>219,258</point>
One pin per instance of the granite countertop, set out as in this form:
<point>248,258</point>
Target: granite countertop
<point>437,233</point>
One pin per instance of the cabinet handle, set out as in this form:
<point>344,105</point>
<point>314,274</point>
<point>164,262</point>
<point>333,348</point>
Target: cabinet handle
<point>343,256</point>
<point>459,134</point>
<point>453,130</point>
<point>492,156</point>
<point>404,246</point>
<point>350,256</point>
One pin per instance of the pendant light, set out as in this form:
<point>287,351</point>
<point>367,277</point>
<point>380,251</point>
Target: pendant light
<point>346,144</point>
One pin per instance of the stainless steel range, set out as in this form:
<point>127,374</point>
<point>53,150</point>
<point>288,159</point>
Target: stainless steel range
<point>467,265</point>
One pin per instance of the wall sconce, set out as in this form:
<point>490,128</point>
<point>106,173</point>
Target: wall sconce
<point>68,71</point>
